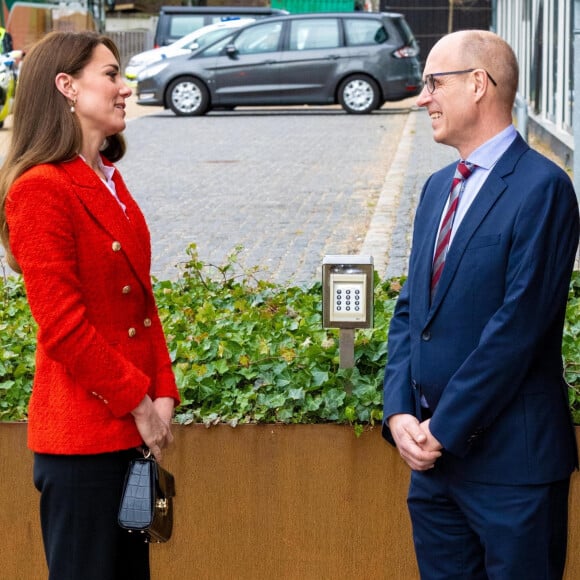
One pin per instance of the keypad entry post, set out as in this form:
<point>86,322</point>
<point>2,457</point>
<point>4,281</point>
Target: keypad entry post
<point>347,299</point>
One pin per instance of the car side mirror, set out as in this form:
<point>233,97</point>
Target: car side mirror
<point>231,50</point>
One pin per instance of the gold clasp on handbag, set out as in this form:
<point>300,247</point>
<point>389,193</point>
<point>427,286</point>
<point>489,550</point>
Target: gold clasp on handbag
<point>162,505</point>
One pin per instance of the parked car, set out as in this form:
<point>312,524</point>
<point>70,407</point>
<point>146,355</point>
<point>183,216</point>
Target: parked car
<point>176,21</point>
<point>357,59</point>
<point>195,40</point>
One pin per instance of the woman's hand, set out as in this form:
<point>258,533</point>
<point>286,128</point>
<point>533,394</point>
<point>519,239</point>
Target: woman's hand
<point>154,424</point>
<point>164,406</point>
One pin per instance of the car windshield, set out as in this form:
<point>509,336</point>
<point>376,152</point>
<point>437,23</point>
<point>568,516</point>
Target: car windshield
<point>207,38</point>
<point>207,34</point>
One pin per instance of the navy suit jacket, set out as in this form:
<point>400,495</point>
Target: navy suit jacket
<point>486,354</point>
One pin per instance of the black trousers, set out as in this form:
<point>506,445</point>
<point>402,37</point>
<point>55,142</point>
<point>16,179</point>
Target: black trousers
<point>79,502</point>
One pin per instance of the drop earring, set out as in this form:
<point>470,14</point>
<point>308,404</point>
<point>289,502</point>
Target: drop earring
<point>72,106</point>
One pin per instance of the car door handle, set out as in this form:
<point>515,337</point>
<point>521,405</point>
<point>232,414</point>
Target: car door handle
<point>333,57</point>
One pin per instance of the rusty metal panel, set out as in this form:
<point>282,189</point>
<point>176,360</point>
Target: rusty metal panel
<point>299,502</point>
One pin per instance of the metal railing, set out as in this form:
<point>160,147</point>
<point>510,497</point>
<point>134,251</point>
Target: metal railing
<point>131,42</point>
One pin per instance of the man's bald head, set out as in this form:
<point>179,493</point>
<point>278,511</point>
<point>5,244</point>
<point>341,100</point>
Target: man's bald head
<point>486,50</point>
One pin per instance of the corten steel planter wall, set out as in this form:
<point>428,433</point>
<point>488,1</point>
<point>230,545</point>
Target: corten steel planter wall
<point>306,502</point>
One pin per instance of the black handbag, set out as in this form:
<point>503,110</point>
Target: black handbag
<point>147,500</point>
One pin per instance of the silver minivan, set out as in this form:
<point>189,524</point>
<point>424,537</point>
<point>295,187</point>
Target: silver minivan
<point>359,60</point>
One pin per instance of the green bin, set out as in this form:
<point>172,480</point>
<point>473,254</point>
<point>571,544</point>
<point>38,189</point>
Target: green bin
<point>298,6</point>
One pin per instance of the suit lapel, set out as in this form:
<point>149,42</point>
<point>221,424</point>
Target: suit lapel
<point>132,233</point>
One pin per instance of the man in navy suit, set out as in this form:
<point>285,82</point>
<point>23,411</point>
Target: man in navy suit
<point>474,394</point>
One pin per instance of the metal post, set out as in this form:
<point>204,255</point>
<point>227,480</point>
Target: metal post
<point>576,113</point>
<point>522,116</point>
<point>493,24</point>
<point>346,348</point>
<point>346,352</point>
<point>450,17</point>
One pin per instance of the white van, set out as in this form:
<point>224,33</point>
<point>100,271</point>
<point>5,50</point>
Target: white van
<point>177,21</point>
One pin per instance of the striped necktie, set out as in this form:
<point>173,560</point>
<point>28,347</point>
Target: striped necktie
<point>462,172</point>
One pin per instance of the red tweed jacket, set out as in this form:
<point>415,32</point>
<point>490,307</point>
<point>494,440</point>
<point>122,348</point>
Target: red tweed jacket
<point>100,346</point>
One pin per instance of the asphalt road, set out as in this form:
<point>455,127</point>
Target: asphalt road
<point>287,185</point>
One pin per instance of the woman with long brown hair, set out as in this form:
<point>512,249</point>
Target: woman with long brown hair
<point>103,385</point>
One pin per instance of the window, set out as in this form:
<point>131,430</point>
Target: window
<point>184,24</point>
<point>216,49</point>
<point>364,32</point>
<point>257,39</point>
<point>207,39</point>
<point>542,35</point>
<point>316,33</point>
<point>403,29</point>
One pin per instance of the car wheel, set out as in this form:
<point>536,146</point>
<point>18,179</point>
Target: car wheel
<point>188,96</point>
<point>358,94</point>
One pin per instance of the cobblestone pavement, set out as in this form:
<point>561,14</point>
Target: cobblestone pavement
<point>289,185</point>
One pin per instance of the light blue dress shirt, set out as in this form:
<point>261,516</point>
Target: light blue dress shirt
<point>484,157</point>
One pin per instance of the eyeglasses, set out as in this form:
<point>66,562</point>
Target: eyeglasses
<point>430,79</point>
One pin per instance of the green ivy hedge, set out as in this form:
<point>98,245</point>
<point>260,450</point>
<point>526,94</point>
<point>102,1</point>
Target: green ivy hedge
<point>245,350</point>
